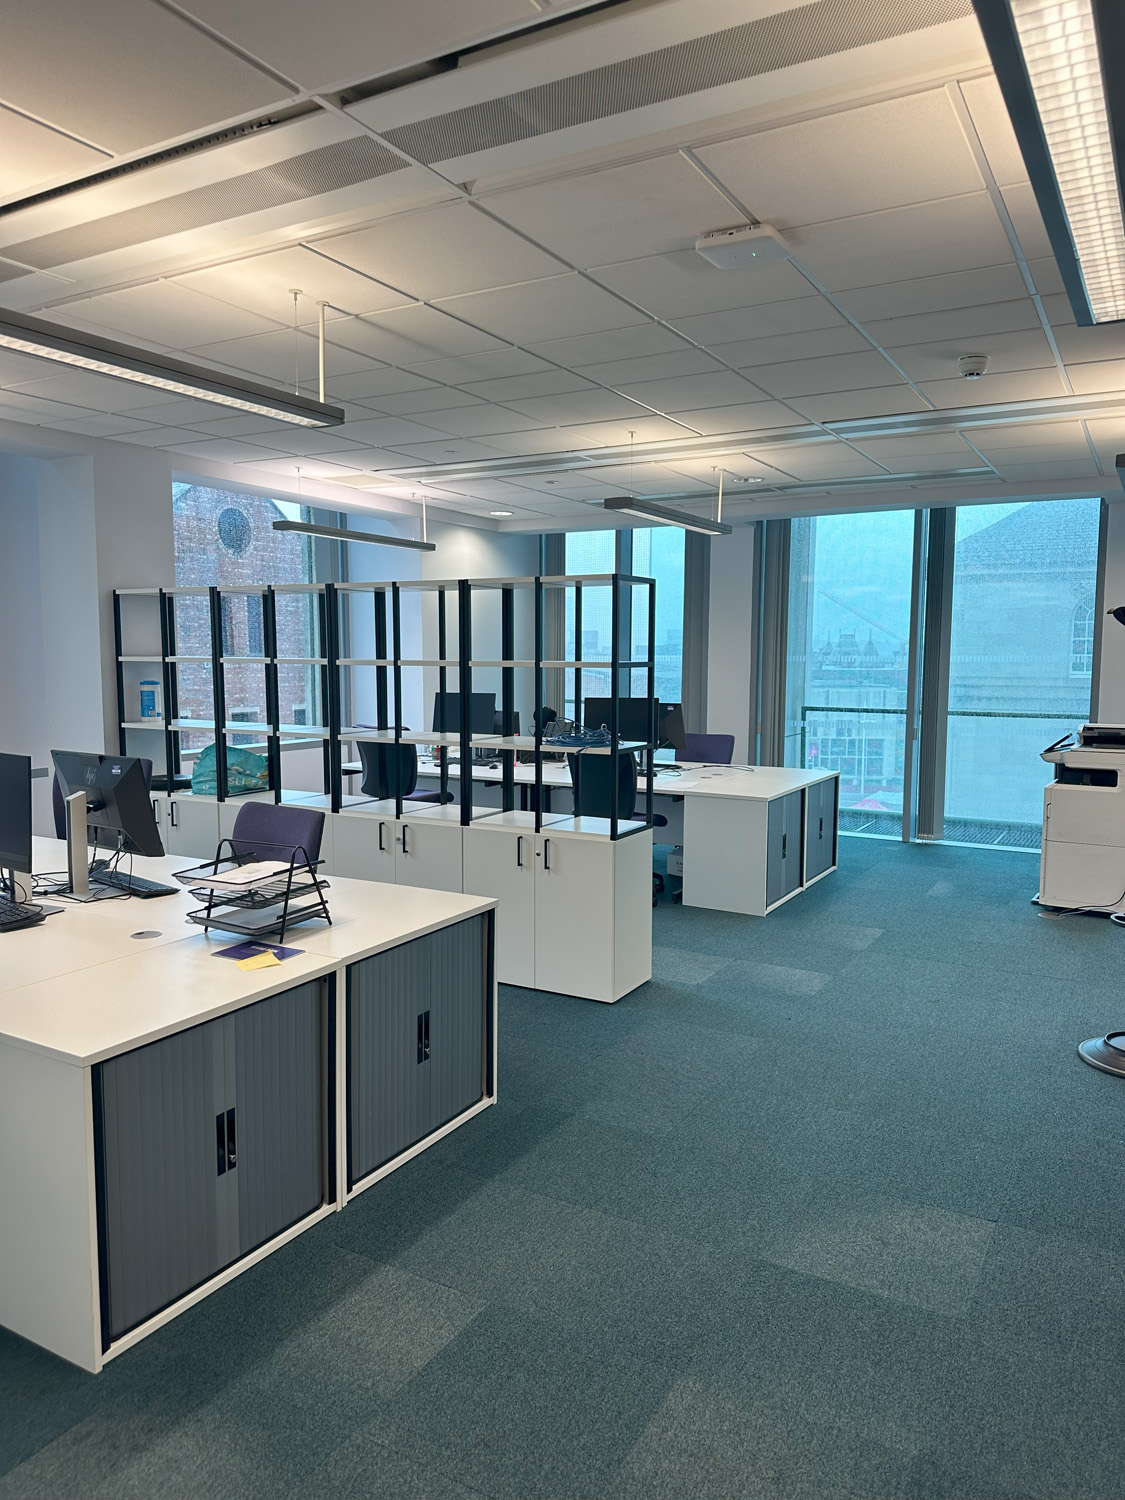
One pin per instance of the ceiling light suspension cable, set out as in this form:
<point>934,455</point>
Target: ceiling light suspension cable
<point>294,292</point>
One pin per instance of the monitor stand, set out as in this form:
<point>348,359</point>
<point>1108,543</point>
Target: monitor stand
<point>78,886</point>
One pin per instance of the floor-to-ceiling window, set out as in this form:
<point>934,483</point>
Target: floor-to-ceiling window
<point>1020,659</point>
<point>849,625</point>
<point>658,552</point>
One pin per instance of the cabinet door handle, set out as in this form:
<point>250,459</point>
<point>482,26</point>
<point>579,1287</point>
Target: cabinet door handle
<point>423,1036</point>
<point>172,814</point>
<point>546,854</point>
<point>784,843</point>
<point>519,851</point>
<point>405,850</point>
<point>220,1143</point>
<point>382,846</point>
<point>232,1152</point>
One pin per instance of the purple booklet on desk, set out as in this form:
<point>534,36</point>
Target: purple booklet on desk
<point>251,950</point>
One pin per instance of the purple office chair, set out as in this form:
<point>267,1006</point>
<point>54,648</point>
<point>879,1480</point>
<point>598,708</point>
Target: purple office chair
<point>58,801</point>
<point>709,749</point>
<point>269,830</point>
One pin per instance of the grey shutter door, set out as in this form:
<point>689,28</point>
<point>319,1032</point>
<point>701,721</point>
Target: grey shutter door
<point>783,847</point>
<point>820,833</point>
<point>415,1041</point>
<point>160,1211</point>
<point>280,1114</point>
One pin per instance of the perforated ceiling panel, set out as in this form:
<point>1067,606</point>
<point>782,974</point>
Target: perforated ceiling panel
<point>339,165</point>
<point>763,46</point>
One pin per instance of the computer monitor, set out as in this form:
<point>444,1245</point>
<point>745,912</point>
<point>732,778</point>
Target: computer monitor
<point>632,716</point>
<point>498,722</point>
<point>15,813</point>
<point>447,713</point>
<point>670,726</point>
<point>117,799</point>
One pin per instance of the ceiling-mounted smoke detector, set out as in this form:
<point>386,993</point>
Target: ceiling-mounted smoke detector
<point>973,366</point>
<point>745,245</point>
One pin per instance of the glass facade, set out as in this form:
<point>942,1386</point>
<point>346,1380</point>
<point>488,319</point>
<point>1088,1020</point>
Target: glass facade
<point>849,625</point>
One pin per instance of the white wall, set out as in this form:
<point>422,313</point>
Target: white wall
<point>730,637</point>
<point>1111,668</point>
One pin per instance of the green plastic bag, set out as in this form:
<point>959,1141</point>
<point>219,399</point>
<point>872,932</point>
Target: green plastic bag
<point>246,772</point>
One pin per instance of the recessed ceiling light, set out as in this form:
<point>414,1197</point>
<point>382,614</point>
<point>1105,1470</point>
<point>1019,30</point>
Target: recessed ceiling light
<point>501,512</point>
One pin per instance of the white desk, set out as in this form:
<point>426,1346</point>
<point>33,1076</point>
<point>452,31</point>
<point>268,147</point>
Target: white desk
<point>111,1044</point>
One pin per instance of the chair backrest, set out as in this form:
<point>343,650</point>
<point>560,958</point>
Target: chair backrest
<point>544,716</point>
<point>594,783</point>
<point>58,801</point>
<point>388,770</point>
<point>269,830</point>
<point>713,749</point>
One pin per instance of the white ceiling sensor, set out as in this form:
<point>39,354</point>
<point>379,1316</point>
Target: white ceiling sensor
<point>745,245</point>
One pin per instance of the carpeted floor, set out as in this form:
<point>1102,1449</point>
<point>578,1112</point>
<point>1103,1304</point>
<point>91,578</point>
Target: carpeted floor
<point>830,1208</point>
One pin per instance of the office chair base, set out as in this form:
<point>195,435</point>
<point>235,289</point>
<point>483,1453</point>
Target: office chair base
<point>1105,1052</point>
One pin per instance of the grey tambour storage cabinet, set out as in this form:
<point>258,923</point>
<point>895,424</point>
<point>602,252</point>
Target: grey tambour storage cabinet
<point>418,1042</point>
<point>208,1143</point>
<point>820,827</point>
<point>783,847</point>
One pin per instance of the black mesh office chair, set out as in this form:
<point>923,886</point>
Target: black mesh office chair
<point>593,792</point>
<point>391,771</point>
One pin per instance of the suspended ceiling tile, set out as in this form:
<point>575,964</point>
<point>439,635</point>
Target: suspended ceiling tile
<point>1047,277</point>
<point>622,372</point>
<point>275,357</point>
<point>412,335</point>
<point>1025,350</point>
<point>481,420</point>
<point>539,310</point>
<point>546,382</point>
<point>642,208</point>
<point>813,461</point>
<point>241,426</point>
<point>902,151</point>
<point>1083,468</point>
<point>757,415</point>
<point>933,294</point>
<point>1101,375</point>
<point>1023,385</point>
<point>312,468</point>
<point>692,392</point>
<point>928,239</point>
<point>948,450</point>
<point>165,313</point>
<point>447,451</point>
<point>766,320</point>
<point>161,437</point>
<point>747,354</point>
<point>19,369</point>
<point>22,405</point>
<point>301,440</point>
<point>837,372</point>
<point>973,326</point>
<point>179,412</point>
<point>229,450</point>
<point>388,432</point>
<point>1029,435</point>
<point>264,284</point>
<point>31,154</point>
<point>105,425</point>
<point>537,440</point>
<point>617,434</point>
<point>472,368</point>
<point>618,343</point>
<point>844,406</point>
<point>374,381</point>
<point>579,406</point>
<point>124,74</point>
<point>678,285</point>
<point>994,127</point>
<point>1083,346</point>
<point>437,398</point>
<point>735,467</point>
<point>441,252</point>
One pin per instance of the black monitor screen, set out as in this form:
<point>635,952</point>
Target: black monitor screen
<point>15,813</point>
<point>447,713</point>
<point>670,726</point>
<point>117,798</point>
<point>632,716</point>
<point>498,722</point>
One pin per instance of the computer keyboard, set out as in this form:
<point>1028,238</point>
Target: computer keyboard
<point>132,885</point>
<point>16,914</point>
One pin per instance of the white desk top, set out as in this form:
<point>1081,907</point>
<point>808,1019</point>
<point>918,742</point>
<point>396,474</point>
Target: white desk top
<point>692,780</point>
<point>78,987</point>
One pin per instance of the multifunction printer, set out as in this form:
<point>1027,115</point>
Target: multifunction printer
<point>1082,864</point>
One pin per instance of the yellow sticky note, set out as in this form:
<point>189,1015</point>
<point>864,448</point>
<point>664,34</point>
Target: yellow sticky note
<point>265,960</point>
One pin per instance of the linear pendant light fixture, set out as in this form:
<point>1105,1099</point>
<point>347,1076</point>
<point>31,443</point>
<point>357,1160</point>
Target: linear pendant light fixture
<point>342,534</point>
<point>88,351</point>
<point>1060,66</point>
<point>649,510</point>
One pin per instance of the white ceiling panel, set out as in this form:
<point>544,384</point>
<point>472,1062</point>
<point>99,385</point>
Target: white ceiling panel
<point>436,398</point>
<point>735,466</point>
<point>973,326</point>
<point>276,356</point>
<point>1103,375</point>
<point>1023,385</point>
<point>621,372</point>
<point>1027,221</point>
<point>579,406</point>
<point>687,393</point>
<point>681,284</point>
<point>103,426</point>
<point>76,388</point>
<point>124,73</point>
<point>21,404</point>
<point>747,354</point>
<point>239,426</point>
<point>948,450</point>
<point>1047,277</point>
<point>161,437</point>
<point>1108,434</point>
<point>264,284</point>
<point>165,313</point>
<point>412,335</point>
<point>441,252</point>
<point>757,415</point>
<point>182,413</point>
<point>228,450</point>
<point>934,294</point>
<point>31,154</point>
<point>812,461</point>
<point>375,381</point>
<point>767,320</point>
<point>928,239</point>
<point>546,382</point>
<point>1029,435</point>
<point>643,208</point>
<point>618,343</point>
<point>537,440</point>
<point>617,434</point>
<point>447,451</point>
<point>1083,346</point>
<point>836,372</point>
<point>842,406</point>
<point>879,156</point>
<point>1027,350</point>
<point>539,310</point>
<point>480,421</point>
<point>1083,468</point>
<point>388,432</point>
<point>478,367</point>
<point>921,463</point>
<point>990,118</point>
